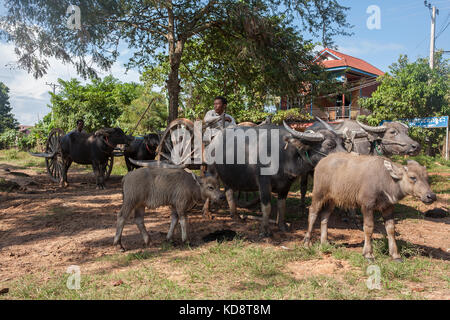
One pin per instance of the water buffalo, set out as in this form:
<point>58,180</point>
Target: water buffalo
<point>141,149</point>
<point>389,139</point>
<point>371,183</point>
<point>155,187</point>
<point>94,149</point>
<point>298,152</point>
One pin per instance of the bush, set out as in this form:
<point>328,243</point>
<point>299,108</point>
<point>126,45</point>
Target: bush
<point>8,139</point>
<point>291,115</point>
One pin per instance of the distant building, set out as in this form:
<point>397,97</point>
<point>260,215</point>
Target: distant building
<point>357,74</point>
<point>25,129</point>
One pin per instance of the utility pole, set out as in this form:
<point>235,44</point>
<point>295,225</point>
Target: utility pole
<point>53,86</point>
<point>434,12</point>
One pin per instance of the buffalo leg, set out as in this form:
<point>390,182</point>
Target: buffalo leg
<point>129,164</point>
<point>184,226</point>
<point>205,210</point>
<point>390,231</point>
<point>65,168</point>
<point>266,196</point>
<point>312,216</point>
<point>139,220</point>
<point>303,189</point>
<point>281,206</point>
<point>324,216</point>
<point>368,231</point>
<point>122,216</point>
<point>231,203</point>
<point>173,224</point>
<point>99,171</point>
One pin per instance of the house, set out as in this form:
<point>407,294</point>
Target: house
<point>25,129</point>
<point>358,75</point>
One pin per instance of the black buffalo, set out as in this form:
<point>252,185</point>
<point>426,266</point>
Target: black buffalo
<point>141,149</point>
<point>298,153</point>
<point>94,149</point>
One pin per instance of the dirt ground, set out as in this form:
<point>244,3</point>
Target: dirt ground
<point>43,226</point>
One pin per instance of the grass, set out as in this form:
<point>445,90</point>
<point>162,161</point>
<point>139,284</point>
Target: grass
<point>433,164</point>
<point>21,159</point>
<point>237,270</point>
<point>24,160</point>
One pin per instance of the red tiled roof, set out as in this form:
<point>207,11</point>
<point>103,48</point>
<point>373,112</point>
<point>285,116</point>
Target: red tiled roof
<point>348,61</point>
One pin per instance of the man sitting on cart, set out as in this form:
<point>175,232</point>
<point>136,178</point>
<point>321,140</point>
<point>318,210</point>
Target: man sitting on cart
<point>80,127</point>
<point>214,118</point>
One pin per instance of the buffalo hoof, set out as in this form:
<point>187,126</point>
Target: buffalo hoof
<point>120,248</point>
<point>237,217</point>
<point>100,187</point>
<point>283,227</point>
<point>265,233</point>
<point>307,242</point>
<point>398,260</point>
<point>207,214</point>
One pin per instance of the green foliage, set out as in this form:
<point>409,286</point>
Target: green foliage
<point>99,103</point>
<point>7,120</point>
<point>153,121</point>
<point>291,115</point>
<point>8,139</point>
<point>412,89</point>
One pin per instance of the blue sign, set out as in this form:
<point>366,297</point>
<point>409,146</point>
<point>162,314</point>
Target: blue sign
<point>429,122</point>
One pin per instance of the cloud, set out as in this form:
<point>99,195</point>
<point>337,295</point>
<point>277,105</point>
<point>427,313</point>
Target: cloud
<point>29,97</point>
<point>369,47</point>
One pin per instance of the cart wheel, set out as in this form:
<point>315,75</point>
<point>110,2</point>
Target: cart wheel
<point>54,164</point>
<point>109,167</point>
<point>177,142</point>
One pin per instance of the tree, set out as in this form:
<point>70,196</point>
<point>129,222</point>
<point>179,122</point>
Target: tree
<point>153,120</point>
<point>148,26</point>
<point>7,120</point>
<point>412,89</point>
<point>272,60</point>
<point>99,103</point>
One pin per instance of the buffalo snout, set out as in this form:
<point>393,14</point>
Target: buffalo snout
<point>429,198</point>
<point>414,149</point>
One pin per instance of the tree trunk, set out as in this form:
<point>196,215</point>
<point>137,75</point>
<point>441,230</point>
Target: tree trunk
<point>173,87</point>
<point>176,47</point>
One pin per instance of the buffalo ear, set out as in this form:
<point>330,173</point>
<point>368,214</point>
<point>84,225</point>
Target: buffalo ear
<point>101,132</point>
<point>412,162</point>
<point>395,172</point>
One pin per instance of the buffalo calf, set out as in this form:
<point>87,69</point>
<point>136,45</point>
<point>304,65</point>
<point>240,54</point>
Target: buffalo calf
<point>156,187</point>
<point>371,183</point>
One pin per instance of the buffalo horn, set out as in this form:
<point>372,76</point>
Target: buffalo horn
<point>316,136</point>
<point>378,129</point>
<point>326,125</point>
<point>156,164</point>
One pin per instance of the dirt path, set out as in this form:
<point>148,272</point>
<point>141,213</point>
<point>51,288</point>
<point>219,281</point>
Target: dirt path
<point>45,227</point>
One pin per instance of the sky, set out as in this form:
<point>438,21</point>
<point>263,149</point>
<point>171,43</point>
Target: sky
<point>404,29</point>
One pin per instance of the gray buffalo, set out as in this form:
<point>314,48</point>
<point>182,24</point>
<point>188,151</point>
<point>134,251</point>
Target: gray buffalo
<point>371,183</point>
<point>155,187</point>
